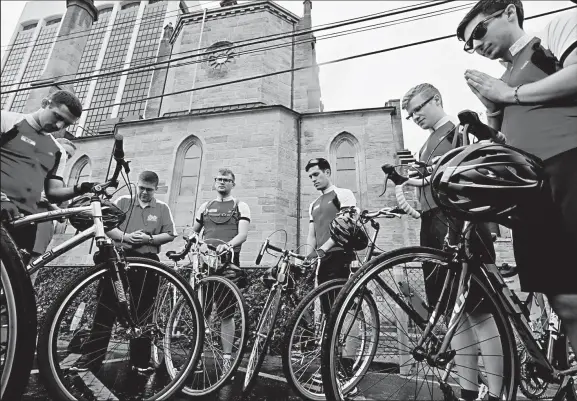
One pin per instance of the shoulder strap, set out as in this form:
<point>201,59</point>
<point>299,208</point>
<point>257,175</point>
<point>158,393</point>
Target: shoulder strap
<point>208,205</point>
<point>8,136</point>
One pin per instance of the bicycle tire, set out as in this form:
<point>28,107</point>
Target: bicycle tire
<point>385,262</point>
<point>243,340</point>
<point>47,340</point>
<point>334,286</point>
<point>18,326</point>
<point>270,309</point>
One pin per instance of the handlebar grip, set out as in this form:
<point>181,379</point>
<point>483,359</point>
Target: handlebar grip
<point>261,252</point>
<point>118,147</point>
<point>403,204</point>
<point>477,127</point>
<point>393,175</point>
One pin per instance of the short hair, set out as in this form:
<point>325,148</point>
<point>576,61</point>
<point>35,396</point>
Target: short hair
<point>150,177</point>
<point>227,171</point>
<point>427,89</point>
<point>68,99</point>
<point>323,164</point>
<point>489,7</point>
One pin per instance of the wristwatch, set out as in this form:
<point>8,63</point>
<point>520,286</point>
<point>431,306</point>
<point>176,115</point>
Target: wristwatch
<point>150,239</point>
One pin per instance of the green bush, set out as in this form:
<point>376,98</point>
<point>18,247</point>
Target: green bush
<point>52,280</point>
<point>256,295</point>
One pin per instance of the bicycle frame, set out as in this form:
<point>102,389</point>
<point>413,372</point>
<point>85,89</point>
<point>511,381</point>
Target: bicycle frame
<point>67,245</point>
<point>96,231</point>
<point>507,299</point>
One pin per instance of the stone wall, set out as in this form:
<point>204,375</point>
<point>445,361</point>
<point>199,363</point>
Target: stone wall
<point>246,61</point>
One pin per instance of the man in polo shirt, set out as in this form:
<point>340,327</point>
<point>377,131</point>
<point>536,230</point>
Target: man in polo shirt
<point>149,225</point>
<point>535,105</point>
<point>225,221</point>
<point>32,161</point>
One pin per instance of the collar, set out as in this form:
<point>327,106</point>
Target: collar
<point>517,47</point>
<point>226,199</point>
<point>443,121</point>
<point>151,204</point>
<point>30,120</point>
<point>329,189</point>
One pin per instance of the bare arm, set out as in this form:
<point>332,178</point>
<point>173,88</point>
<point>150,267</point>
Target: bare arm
<point>56,192</point>
<point>240,238</point>
<point>558,86</point>
<point>311,239</point>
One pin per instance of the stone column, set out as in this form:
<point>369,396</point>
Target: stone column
<point>157,84</point>
<point>67,52</point>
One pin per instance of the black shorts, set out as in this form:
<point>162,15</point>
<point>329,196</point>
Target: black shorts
<point>545,239</point>
<point>435,224</point>
<point>333,266</point>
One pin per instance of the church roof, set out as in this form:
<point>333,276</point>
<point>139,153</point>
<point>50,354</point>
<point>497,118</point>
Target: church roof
<point>224,12</point>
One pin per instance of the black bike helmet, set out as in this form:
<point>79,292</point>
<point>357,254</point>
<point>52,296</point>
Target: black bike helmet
<point>485,181</point>
<point>112,216</point>
<point>347,231</point>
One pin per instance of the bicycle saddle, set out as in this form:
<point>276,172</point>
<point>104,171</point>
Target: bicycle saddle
<point>175,256</point>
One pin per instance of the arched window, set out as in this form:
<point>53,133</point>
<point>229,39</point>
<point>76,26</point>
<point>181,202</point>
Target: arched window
<point>80,172</point>
<point>184,188</point>
<point>345,163</point>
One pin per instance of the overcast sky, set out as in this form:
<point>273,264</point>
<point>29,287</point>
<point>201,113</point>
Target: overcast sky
<point>371,81</point>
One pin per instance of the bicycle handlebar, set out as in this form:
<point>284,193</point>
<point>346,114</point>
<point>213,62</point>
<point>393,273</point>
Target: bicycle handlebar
<point>190,241</point>
<point>267,245</point>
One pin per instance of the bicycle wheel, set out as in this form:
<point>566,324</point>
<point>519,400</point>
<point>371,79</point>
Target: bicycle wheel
<point>261,339</point>
<point>400,370</point>
<point>301,345</point>
<point>224,307</point>
<point>113,361</point>
<point>17,321</point>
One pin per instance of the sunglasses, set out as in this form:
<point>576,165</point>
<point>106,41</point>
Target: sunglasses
<point>223,180</point>
<point>480,31</point>
<point>419,107</point>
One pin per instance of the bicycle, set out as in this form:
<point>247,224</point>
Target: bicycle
<point>301,344</point>
<point>72,310</point>
<point>220,298</point>
<point>428,342</point>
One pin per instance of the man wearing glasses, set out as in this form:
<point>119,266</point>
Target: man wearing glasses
<point>424,106</point>
<point>225,221</point>
<point>535,105</point>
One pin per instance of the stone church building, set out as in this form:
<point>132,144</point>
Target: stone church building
<point>265,129</point>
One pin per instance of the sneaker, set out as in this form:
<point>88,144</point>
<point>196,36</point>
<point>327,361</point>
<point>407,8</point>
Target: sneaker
<point>226,364</point>
<point>143,369</point>
<point>352,393</point>
<point>82,364</point>
<point>200,365</point>
<point>317,379</point>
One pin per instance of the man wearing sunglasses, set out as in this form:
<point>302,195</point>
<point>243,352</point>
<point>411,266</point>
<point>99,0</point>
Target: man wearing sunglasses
<point>225,221</point>
<point>535,105</point>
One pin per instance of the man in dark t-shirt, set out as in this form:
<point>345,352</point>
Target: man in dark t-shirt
<point>535,105</point>
<point>33,161</point>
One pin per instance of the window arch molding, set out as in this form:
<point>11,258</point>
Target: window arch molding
<point>78,170</point>
<point>344,138</point>
<point>181,172</point>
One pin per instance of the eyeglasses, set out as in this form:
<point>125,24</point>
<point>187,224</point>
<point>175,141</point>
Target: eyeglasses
<point>480,31</point>
<point>419,107</point>
<point>223,180</point>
